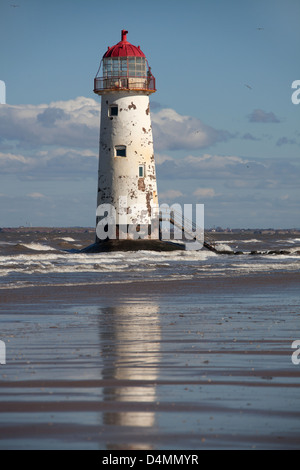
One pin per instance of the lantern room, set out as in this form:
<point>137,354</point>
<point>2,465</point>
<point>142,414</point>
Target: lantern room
<point>124,67</point>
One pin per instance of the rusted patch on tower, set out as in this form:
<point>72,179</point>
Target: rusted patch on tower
<point>132,105</point>
<point>148,200</point>
<point>132,194</point>
<point>141,184</point>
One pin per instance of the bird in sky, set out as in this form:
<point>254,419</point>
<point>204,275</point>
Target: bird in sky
<point>260,29</point>
<point>248,86</point>
<point>15,6</point>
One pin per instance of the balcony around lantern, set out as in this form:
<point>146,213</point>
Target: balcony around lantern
<point>102,85</point>
<point>124,73</point>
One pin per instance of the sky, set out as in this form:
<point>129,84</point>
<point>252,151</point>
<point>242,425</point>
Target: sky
<point>226,132</point>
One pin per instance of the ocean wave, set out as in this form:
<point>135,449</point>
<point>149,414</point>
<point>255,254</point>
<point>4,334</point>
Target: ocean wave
<point>37,247</point>
<point>49,266</point>
<point>291,240</point>
<point>253,240</point>
<point>223,247</point>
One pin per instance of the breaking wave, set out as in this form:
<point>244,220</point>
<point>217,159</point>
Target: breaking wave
<point>37,247</point>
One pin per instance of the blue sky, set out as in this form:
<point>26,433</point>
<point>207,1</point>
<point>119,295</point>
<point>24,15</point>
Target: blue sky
<point>226,133</point>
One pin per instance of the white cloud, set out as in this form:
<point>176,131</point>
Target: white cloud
<point>229,174</point>
<point>211,162</point>
<point>207,166</point>
<point>159,158</point>
<point>75,123</point>
<point>10,157</point>
<point>204,192</point>
<point>57,163</point>
<point>14,163</point>
<point>170,195</point>
<point>70,123</point>
<point>60,139</point>
<point>259,115</point>
<point>36,196</point>
<point>173,131</point>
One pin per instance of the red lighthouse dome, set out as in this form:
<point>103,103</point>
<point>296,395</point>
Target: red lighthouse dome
<point>124,67</point>
<point>124,49</point>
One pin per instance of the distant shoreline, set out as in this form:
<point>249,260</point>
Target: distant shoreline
<point>219,230</point>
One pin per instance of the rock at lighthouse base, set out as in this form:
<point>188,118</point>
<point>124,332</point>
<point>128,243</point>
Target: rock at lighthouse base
<point>133,245</point>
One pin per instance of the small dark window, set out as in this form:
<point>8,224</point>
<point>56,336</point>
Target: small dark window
<point>113,110</point>
<point>121,151</point>
<point>141,171</point>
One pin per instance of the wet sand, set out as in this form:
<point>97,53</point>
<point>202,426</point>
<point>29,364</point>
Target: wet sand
<point>152,365</point>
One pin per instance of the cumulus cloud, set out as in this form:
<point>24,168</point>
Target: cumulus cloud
<point>49,117</point>
<point>204,166</point>
<point>60,163</point>
<point>231,171</point>
<point>161,158</point>
<point>74,122</point>
<point>60,139</point>
<point>170,195</point>
<point>285,141</point>
<point>258,115</point>
<point>36,195</point>
<point>14,164</point>
<point>204,193</point>
<point>249,136</point>
<point>172,131</point>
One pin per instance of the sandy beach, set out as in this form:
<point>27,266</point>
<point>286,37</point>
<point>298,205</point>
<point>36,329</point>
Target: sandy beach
<point>195,364</point>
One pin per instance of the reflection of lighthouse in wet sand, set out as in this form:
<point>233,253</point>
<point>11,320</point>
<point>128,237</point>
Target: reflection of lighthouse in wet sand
<point>131,366</point>
<point>127,188</point>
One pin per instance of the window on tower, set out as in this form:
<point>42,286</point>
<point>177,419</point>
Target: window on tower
<point>141,171</point>
<point>120,151</point>
<point>113,110</point>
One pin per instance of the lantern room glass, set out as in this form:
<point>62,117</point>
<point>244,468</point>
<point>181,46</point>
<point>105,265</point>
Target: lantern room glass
<point>124,67</point>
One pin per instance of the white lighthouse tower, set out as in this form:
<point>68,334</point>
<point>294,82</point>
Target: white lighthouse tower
<point>127,176</point>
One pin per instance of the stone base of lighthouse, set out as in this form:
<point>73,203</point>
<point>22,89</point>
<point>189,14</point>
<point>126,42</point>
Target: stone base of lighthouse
<point>107,246</point>
<point>128,239</point>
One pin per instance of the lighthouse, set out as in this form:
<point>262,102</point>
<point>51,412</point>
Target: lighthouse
<point>127,175</point>
<point>127,199</point>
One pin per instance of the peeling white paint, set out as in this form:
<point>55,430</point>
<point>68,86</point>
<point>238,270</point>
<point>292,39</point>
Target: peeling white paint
<point>119,175</point>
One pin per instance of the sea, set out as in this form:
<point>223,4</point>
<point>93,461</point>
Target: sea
<point>39,258</point>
